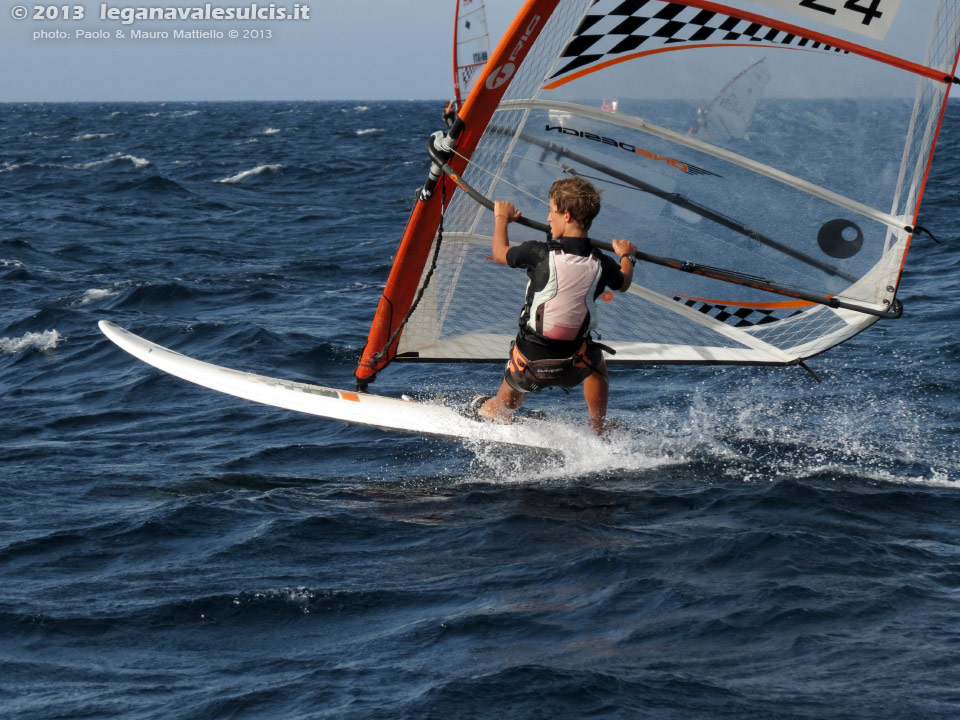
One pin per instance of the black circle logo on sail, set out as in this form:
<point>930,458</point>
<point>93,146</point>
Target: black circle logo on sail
<point>840,238</point>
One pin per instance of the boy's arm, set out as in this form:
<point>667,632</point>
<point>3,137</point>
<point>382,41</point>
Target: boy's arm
<point>625,249</point>
<point>503,214</point>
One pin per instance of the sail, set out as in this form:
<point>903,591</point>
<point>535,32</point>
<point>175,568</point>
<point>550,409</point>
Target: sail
<point>471,46</point>
<point>792,241</point>
<point>728,115</point>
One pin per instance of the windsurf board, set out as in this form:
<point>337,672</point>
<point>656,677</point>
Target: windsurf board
<point>387,413</point>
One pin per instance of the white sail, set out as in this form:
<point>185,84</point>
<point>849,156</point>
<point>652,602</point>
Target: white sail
<point>812,219</point>
<point>727,116</point>
<point>471,46</point>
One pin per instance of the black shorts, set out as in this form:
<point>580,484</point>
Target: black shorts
<point>532,375</point>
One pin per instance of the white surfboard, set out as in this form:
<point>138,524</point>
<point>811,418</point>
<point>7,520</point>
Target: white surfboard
<point>350,407</point>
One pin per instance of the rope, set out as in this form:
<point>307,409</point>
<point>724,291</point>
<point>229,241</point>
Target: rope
<point>380,354</point>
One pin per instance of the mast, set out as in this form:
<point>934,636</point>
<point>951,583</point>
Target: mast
<point>414,250</point>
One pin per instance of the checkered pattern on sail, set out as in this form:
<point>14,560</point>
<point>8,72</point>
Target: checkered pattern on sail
<point>616,27</point>
<point>737,316</point>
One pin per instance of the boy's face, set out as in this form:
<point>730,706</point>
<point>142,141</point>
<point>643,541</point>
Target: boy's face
<point>558,221</point>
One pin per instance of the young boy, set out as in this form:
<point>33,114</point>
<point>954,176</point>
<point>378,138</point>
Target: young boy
<point>553,347</point>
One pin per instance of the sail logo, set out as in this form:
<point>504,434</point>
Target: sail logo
<point>501,74</point>
<point>642,152</point>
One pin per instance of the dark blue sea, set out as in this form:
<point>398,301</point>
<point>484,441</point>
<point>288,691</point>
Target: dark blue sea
<point>774,548</point>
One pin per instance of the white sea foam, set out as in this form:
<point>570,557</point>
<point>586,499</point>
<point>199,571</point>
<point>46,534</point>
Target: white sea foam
<point>250,173</point>
<point>88,165</point>
<point>579,452</point>
<point>752,434</point>
<point>770,438</point>
<point>9,168</point>
<point>270,131</point>
<point>369,131</point>
<point>137,162</point>
<point>575,450</point>
<point>95,294</point>
<point>10,263</point>
<point>91,136</point>
<point>42,341</point>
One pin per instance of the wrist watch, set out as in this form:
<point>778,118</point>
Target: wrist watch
<point>631,258</point>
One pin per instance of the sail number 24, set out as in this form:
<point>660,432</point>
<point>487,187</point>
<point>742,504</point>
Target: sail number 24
<point>867,8</point>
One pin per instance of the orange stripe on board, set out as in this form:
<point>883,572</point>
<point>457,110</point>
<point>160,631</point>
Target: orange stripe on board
<point>349,396</point>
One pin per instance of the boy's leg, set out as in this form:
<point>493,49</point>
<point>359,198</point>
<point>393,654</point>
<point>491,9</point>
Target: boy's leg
<point>501,406</point>
<point>596,389</point>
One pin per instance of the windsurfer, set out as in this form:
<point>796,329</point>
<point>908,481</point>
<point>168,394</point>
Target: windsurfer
<point>699,126</point>
<point>554,347</point>
<point>450,113</point>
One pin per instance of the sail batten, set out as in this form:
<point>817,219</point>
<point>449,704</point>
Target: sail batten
<point>638,123</point>
<point>809,187</point>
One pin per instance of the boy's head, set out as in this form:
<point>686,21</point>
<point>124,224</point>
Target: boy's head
<point>578,197</point>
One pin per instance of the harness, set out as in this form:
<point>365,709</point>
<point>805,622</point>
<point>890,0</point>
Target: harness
<point>564,308</point>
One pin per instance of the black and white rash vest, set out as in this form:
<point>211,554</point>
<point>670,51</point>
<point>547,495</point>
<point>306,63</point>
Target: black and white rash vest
<point>564,308</point>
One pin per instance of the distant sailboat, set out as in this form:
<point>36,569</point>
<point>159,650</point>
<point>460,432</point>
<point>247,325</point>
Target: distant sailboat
<point>728,115</point>
<point>471,48</point>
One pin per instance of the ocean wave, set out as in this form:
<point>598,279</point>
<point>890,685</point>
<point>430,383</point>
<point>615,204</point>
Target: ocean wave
<point>270,131</point>
<point>17,243</point>
<point>155,295</point>
<point>154,184</point>
<point>245,608</point>
<point>42,341</point>
<point>260,169</point>
<point>19,273</point>
<point>95,294</point>
<point>369,131</point>
<point>137,161</point>
<point>91,136</point>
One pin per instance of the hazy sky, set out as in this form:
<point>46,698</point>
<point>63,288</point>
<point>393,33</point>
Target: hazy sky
<point>348,49</point>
